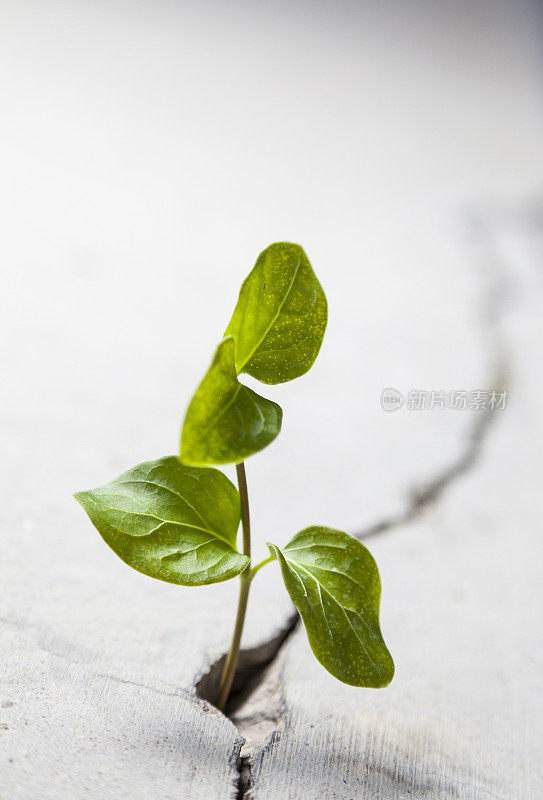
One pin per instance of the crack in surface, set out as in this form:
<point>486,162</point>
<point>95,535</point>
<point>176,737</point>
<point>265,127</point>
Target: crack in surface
<point>250,671</point>
<point>245,781</point>
<point>256,706</point>
<point>253,669</point>
<point>256,664</point>
<point>428,494</point>
<point>492,305</point>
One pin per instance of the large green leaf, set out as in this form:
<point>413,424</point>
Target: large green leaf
<point>226,421</point>
<point>280,317</point>
<point>170,521</point>
<point>334,583</point>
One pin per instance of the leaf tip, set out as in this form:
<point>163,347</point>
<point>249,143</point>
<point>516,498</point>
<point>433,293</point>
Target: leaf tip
<point>386,674</point>
<point>86,500</point>
<point>390,673</point>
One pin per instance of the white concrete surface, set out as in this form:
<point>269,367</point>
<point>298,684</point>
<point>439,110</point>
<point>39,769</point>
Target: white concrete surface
<point>148,152</point>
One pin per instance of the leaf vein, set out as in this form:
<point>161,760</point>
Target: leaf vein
<point>276,315</point>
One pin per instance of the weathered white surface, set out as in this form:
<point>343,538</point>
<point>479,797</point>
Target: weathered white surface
<point>461,611</point>
<point>149,151</point>
<point>70,731</point>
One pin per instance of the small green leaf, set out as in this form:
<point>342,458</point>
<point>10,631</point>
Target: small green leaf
<point>169,521</point>
<point>334,583</point>
<point>279,321</point>
<point>226,421</point>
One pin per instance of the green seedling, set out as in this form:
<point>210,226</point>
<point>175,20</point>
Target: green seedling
<point>177,518</point>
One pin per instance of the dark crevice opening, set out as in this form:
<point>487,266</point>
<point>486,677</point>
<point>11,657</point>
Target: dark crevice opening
<point>249,673</point>
<point>245,780</point>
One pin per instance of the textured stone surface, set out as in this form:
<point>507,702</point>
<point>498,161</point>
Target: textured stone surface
<point>139,183</point>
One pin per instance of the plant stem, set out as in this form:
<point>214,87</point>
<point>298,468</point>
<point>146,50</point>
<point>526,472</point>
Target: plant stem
<point>231,663</point>
<point>244,497</point>
<point>260,565</point>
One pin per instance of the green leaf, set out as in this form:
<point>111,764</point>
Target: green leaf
<point>169,521</point>
<point>280,317</point>
<point>334,583</point>
<point>226,421</point>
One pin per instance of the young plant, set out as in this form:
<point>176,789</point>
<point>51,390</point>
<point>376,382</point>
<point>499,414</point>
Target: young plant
<point>176,519</point>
